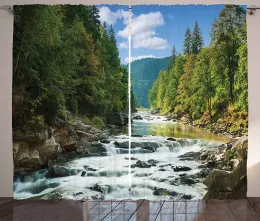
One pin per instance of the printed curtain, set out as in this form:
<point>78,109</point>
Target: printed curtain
<point>148,102</point>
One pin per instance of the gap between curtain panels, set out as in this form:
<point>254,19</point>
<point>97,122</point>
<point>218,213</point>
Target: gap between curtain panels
<point>129,100</point>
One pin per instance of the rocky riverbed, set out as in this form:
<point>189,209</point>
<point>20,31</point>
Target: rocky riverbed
<point>82,162</point>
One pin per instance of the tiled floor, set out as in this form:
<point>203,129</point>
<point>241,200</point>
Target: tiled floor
<point>141,210</point>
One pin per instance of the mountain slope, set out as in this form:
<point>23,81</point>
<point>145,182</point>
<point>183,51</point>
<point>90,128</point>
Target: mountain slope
<point>144,73</point>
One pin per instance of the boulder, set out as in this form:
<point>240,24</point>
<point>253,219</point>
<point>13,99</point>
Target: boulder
<point>153,162</point>
<point>105,141</point>
<point>87,137</point>
<point>190,156</point>
<point>79,126</point>
<point>218,179</point>
<point>187,180</point>
<point>241,154</point>
<point>65,139</point>
<point>97,188</point>
<point>25,156</point>
<point>137,117</point>
<point>95,147</point>
<point>142,164</point>
<point>204,156</point>
<point>116,119</point>
<point>186,197</point>
<point>49,150</point>
<point>240,143</point>
<point>171,139</point>
<point>57,171</point>
<point>164,192</point>
<point>181,168</point>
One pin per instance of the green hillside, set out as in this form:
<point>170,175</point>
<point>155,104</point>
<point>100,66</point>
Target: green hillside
<point>144,73</point>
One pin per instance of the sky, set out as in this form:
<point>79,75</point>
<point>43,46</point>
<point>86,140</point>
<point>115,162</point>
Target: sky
<point>156,28</point>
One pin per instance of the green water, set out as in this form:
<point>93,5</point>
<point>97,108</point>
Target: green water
<point>172,129</point>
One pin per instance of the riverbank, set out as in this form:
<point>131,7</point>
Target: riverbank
<point>224,170</point>
<point>61,142</point>
<point>231,123</point>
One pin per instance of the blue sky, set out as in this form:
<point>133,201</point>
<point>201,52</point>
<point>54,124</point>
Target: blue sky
<point>155,28</point>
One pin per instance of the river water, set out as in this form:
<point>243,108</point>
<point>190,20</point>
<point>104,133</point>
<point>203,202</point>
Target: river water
<point>112,173</point>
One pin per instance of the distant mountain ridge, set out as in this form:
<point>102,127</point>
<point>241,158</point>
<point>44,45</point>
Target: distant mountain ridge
<point>144,73</point>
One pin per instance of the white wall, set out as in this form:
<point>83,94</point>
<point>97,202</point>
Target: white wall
<point>6,30</point>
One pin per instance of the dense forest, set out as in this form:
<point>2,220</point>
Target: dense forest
<point>208,84</point>
<point>144,73</point>
<point>64,59</point>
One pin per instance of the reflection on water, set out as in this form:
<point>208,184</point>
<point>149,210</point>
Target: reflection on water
<point>171,129</point>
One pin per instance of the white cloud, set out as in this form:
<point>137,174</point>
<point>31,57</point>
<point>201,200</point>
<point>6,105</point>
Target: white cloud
<point>142,31</point>
<point>139,57</point>
<point>106,15</point>
<point>122,14</point>
<point>152,43</point>
<point>124,44</point>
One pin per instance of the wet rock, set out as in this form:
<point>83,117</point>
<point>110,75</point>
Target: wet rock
<point>97,188</point>
<point>162,180</point>
<point>204,173</point>
<point>52,196</point>
<point>161,169</point>
<point>57,171</point>
<point>142,164</point>
<point>131,158</point>
<point>105,141</point>
<point>143,174</point>
<point>190,156</point>
<point>95,148</point>
<point>204,156</point>
<point>171,139</point>
<point>187,180</point>
<point>181,168</point>
<point>164,192</point>
<point>136,135</point>
<point>137,117</point>
<point>186,197</point>
<point>83,173</point>
<point>153,162</point>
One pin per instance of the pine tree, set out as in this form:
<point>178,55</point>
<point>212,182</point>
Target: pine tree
<point>115,62</point>
<point>187,42</point>
<point>173,57</point>
<point>196,40</point>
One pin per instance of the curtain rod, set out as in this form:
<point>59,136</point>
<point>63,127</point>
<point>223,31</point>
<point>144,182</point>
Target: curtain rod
<point>8,8</point>
<point>251,9</point>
